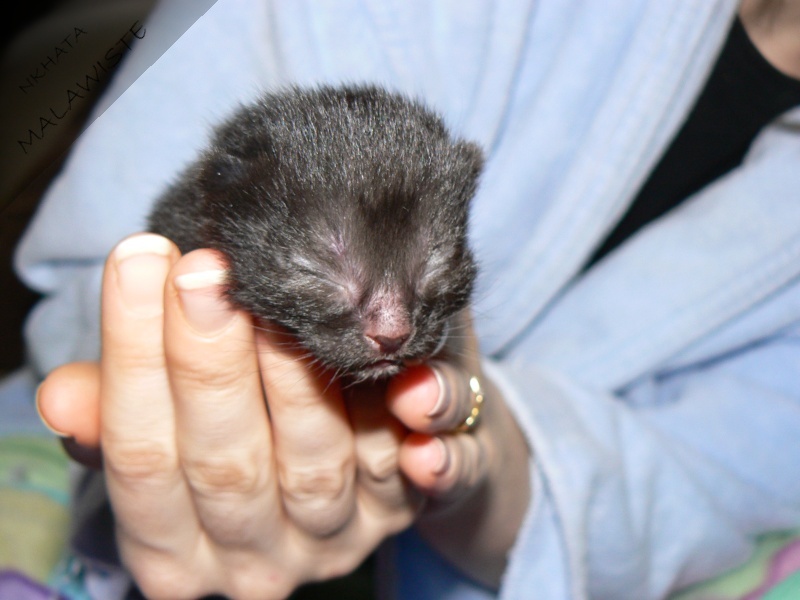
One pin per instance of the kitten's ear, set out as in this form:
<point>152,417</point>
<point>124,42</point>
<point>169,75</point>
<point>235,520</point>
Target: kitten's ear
<point>220,171</point>
<point>472,155</point>
<point>472,161</point>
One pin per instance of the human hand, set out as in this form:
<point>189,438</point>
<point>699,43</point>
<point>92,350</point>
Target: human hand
<point>212,490</point>
<point>476,481</point>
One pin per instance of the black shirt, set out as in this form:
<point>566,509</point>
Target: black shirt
<point>743,94</point>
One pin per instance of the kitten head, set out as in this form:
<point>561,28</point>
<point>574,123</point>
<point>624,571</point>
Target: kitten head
<point>343,215</point>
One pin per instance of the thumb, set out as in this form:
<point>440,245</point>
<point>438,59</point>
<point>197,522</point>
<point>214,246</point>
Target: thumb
<point>68,401</point>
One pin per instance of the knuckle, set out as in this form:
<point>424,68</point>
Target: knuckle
<point>138,359</point>
<point>314,483</point>
<point>158,577</point>
<point>380,466</point>
<point>215,475</point>
<point>204,366</point>
<point>318,499</point>
<point>138,461</point>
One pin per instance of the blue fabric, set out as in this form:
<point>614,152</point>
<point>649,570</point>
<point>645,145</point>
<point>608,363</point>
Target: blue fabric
<point>660,393</point>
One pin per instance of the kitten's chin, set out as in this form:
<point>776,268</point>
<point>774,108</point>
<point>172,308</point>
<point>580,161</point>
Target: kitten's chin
<point>379,369</point>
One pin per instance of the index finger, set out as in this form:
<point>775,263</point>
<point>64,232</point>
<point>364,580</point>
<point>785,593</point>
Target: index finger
<point>222,428</point>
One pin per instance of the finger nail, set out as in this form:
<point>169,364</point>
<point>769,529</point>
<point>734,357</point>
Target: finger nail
<point>205,309</point>
<point>60,434</point>
<point>440,406</point>
<point>444,457</point>
<point>142,264</point>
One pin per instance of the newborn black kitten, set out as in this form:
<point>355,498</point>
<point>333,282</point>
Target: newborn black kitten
<point>342,213</point>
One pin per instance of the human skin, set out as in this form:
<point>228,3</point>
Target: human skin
<point>774,28</point>
<point>236,466</point>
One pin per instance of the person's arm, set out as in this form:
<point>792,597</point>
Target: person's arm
<point>650,498</point>
<point>661,406</point>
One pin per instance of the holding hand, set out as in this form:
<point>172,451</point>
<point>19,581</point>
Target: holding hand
<point>234,466</point>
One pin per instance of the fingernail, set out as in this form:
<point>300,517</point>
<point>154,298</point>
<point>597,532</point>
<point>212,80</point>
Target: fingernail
<point>440,405</point>
<point>60,434</point>
<point>205,309</point>
<point>142,264</point>
<point>444,457</point>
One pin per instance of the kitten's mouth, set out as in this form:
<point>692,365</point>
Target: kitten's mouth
<point>382,368</point>
<point>385,364</point>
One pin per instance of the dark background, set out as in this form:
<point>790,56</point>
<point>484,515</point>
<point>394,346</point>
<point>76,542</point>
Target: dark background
<point>15,299</point>
<point>28,37</point>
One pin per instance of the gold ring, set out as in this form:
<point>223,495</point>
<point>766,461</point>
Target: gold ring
<point>476,392</point>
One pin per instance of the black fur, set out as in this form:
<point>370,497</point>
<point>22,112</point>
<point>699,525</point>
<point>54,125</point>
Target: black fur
<point>340,210</point>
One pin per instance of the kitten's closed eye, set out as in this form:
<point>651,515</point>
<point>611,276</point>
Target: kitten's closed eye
<point>342,212</point>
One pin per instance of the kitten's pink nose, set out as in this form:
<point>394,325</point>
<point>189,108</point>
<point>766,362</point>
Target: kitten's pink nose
<point>386,344</point>
<point>386,322</point>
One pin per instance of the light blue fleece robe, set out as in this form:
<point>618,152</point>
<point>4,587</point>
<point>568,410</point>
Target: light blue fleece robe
<point>660,392</point>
